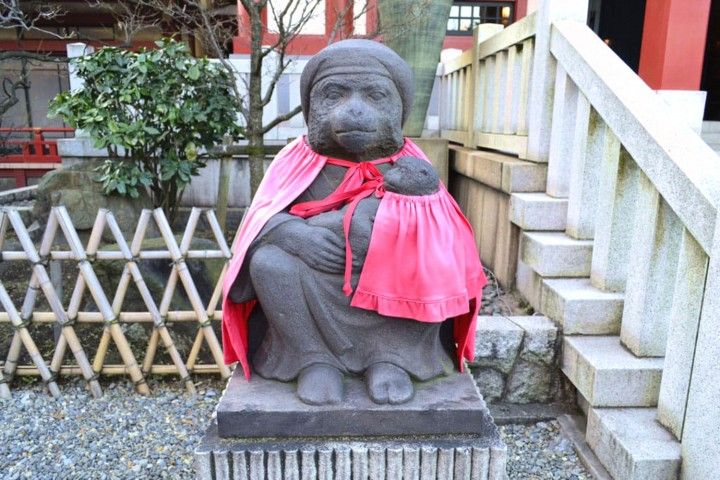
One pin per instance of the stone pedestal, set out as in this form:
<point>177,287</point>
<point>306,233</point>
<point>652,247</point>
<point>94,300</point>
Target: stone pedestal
<point>264,431</point>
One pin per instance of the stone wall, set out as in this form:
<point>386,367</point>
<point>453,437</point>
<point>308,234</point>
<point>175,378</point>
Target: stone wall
<point>18,195</point>
<point>517,359</point>
<point>482,183</point>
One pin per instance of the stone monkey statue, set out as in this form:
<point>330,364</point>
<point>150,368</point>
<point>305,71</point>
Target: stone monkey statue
<point>288,272</point>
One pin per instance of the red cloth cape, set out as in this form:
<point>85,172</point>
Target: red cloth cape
<point>422,262</point>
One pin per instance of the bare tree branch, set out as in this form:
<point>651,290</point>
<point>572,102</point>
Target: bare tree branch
<point>40,57</point>
<point>281,118</point>
<point>11,87</point>
<point>12,17</point>
<point>131,17</point>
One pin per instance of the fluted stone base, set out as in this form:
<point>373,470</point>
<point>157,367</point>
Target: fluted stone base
<point>263,432</point>
<point>442,458</point>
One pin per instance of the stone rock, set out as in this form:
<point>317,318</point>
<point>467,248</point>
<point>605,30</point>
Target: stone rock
<point>497,342</point>
<point>540,340</point>
<point>77,188</point>
<point>262,408</point>
<point>371,458</point>
<point>531,383</point>
<point>490,382</point>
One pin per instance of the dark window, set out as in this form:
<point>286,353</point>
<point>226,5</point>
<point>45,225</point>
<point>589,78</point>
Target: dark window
<point>465,15</point>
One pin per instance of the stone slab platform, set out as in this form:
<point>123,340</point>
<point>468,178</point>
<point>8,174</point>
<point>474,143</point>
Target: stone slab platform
<point>449,457</point>
<point>267,408</point>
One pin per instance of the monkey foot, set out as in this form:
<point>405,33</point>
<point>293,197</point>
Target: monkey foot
<point>320,384</point>
<point>387,383</point>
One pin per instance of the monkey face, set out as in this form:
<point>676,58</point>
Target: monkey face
<point>358,117</point>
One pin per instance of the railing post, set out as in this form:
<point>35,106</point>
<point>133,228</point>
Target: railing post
<point>654,251</point>
<point>616,204</point>
<point>38,144</point>
<point>702,427</point>
<point>75,50</point>
<point>478,82</point>
<point>543,74</point>
<point>682,334</point>
<point>564,111</point>
<point>593,145</point>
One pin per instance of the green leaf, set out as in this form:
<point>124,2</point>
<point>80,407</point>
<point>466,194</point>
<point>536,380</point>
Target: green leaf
<point>194,72</point>
<point>160,104</point>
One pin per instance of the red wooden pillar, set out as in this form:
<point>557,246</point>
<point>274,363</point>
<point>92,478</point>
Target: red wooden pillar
<point>673,43</point>
<point>333,8</point>
<point>371,17</point>
<point>241,43</point>
<point>20,178</point>
<point>521,9</point>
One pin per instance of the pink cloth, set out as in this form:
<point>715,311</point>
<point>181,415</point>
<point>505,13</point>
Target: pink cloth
<point>361,180</point>
<point>422,262</point>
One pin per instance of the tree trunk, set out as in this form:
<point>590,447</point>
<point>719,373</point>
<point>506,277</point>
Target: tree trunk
<point>256,156</point>
<point>223,191</point>
<point>419,46</point>
<point>254,133</point>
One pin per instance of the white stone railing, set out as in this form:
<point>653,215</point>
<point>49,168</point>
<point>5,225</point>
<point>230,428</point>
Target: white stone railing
<point>639,182</point>
<point>646,188</point>
<point>484,91</point>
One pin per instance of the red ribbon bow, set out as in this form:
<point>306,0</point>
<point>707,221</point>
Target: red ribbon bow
<point>360,181</point>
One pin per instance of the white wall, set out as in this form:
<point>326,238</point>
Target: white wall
<point>314,26</point>
<point>287,96</point>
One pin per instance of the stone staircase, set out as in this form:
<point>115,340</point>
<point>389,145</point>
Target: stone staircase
<point>711,135</point>
<point>623,253</point>
<point>617,390</point>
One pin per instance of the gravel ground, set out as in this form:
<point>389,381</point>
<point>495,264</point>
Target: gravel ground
<point>124,435</point>
<point>540,452</point>
<point>121,435</point>
<point>497,301</point>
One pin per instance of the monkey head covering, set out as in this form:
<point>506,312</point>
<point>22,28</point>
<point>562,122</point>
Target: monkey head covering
<point>357,56</point>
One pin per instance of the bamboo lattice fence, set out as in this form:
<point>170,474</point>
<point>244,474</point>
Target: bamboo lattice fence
<point>110,315</point>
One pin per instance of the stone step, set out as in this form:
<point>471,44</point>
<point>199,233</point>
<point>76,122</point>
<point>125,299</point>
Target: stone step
<point>632,445</point>
<point>711,137</point>
<point>608,375</point>
<point>529,284</point>
<point>554,254</point>
<point>538,211</point>
<point>581,309</point>
<point>499,171</point>
<point>708,127</point>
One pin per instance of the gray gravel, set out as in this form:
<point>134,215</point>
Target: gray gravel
<point>125,435</point>
<point>540,452</point>
<point>121,435</point>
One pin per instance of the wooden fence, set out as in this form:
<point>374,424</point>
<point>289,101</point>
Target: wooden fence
<point>110,315</point>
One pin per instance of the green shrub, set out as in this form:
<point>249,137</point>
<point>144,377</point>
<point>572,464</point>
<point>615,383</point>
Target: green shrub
<point>153,110</point>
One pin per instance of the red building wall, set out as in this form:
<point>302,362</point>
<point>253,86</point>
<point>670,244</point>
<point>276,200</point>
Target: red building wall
<point>311,44</point>
<point>673,44</point>
<point>306,44</point>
